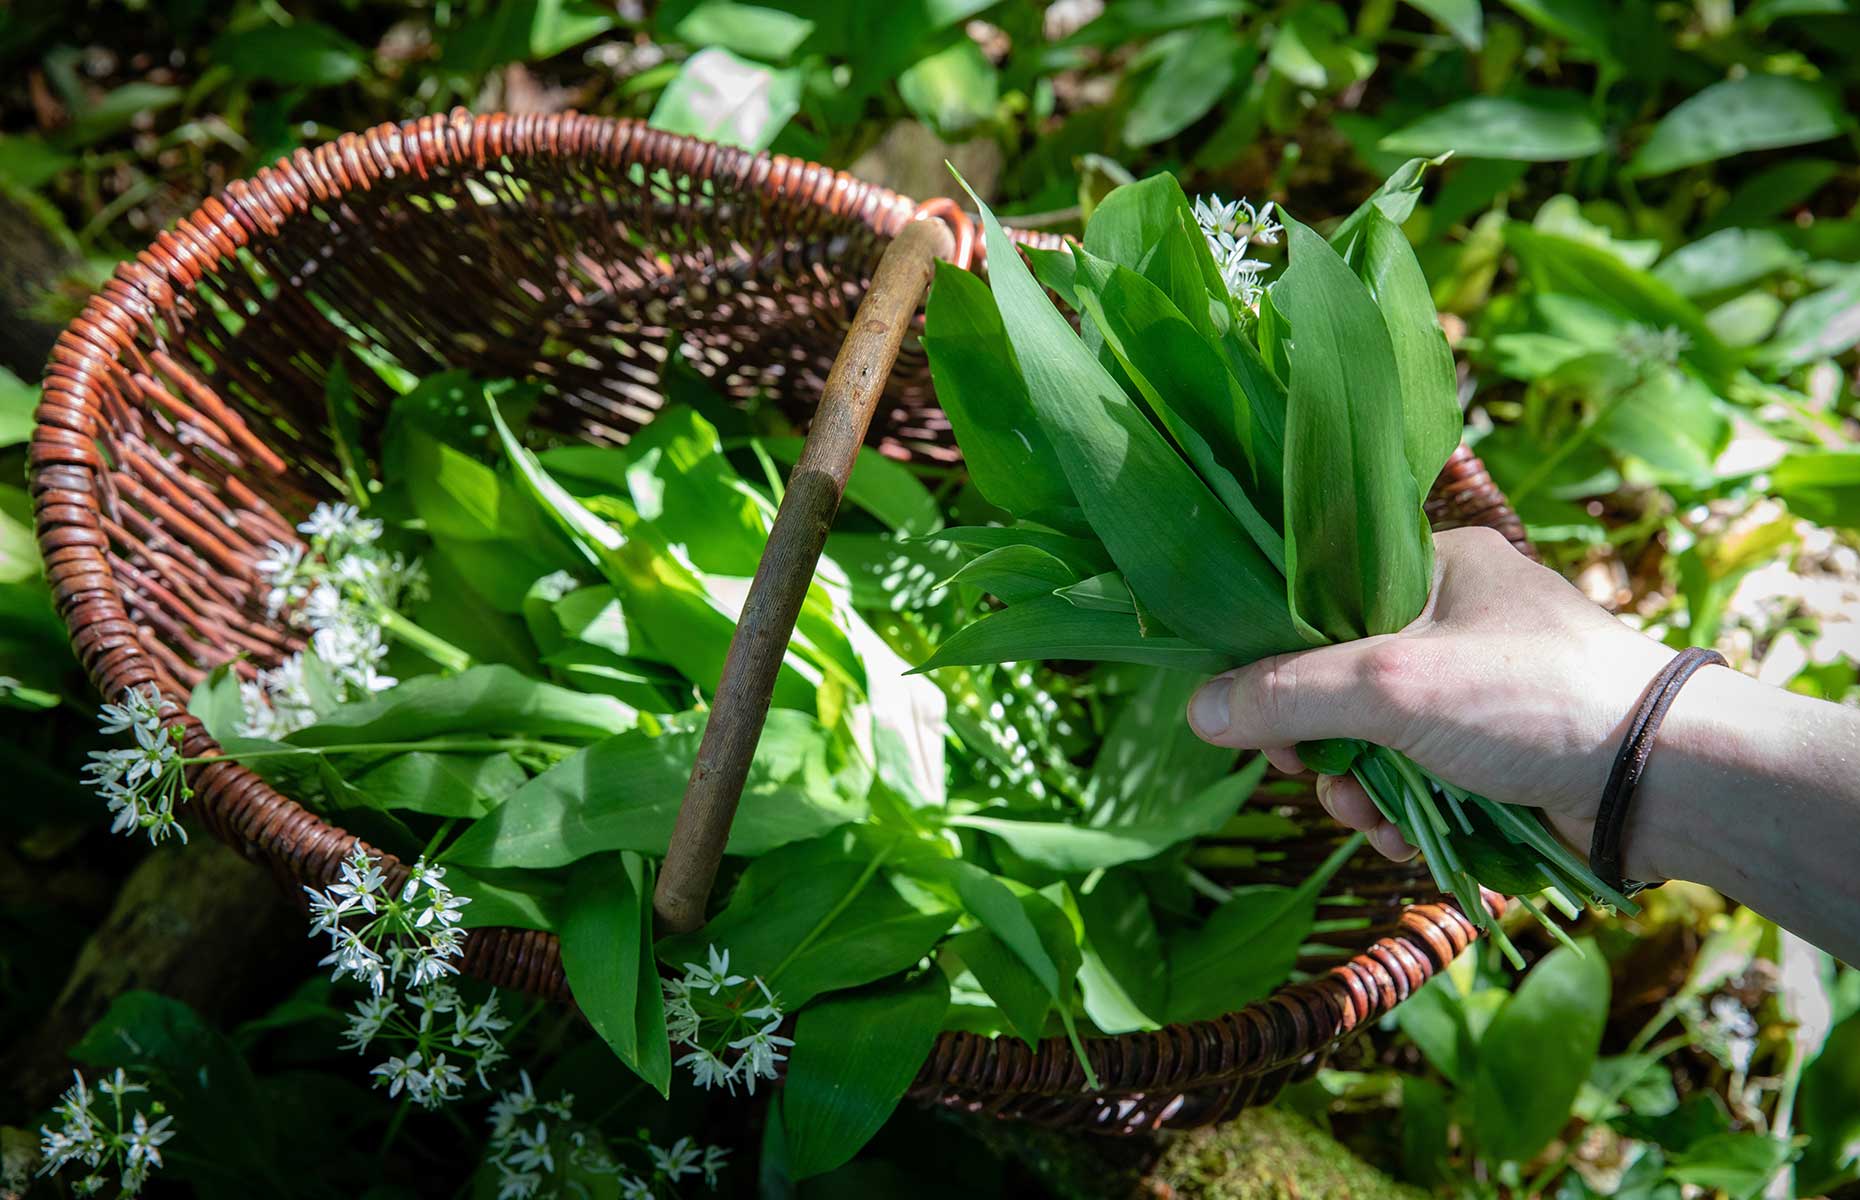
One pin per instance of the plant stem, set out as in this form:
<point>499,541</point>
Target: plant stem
<point>465,745</point>
<point>430,644</point>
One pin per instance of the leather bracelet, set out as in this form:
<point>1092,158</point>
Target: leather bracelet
<point>1631,762</point>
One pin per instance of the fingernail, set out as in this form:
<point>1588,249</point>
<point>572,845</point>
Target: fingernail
<point>1208,710</point>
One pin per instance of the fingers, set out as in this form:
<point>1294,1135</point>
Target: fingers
<point>1346,690</point>
<point>1285,760</point>
<point>1345,799</point>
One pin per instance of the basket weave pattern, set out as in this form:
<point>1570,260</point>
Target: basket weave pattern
<point>183,428</point>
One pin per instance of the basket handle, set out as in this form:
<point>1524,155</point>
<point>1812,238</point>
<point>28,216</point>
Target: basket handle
<point>797,537</point>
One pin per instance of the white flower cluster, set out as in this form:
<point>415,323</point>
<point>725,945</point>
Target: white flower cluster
<point>732,1034</point>
<point>104,1136</point>
<point>336,588</point>
<point>541,1151</point>
<point>1644,345</point>
<point>1232,228</point>
<point>141,783</point>
<point>401,944</point>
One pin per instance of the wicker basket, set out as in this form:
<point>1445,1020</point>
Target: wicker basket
<point>182,429</point>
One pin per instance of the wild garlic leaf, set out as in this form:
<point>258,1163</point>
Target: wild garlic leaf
<point>854,1057</point>
<point>979,385</point>
<point>1149,227</point>
<point>1431,421</point>
<point>1015,573</point>
<point>1395,199</point>
<point>607,955</point>
<point>624,793</point>
<point>488,699</point>
<point>815,917</point>
<point>1084,555</point>
<point>1358,555</point>
<point>1103,593</point>
<point>1128,835</point>
<point>1248,946</point>
<point>1051,627</point>
<point>1189,389</point>
<point>1184,556</point>
<point>1124,975</point>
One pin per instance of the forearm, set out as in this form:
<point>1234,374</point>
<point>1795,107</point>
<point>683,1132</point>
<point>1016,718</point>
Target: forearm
<point>1756,792</point>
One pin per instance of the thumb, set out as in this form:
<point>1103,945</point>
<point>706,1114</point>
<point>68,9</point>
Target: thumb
<point>1346,690</point>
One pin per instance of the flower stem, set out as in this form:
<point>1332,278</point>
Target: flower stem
<point>430,644</point>
<point>462,745</point>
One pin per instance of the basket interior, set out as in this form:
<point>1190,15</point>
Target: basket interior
<point>186,424</point>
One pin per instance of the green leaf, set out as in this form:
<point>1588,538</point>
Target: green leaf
<point>624,794</point>
<point>1183,555</point>
<point>1829,1111</point>
<point>1193,71</point>
<point>1726,260</point>
<point>1590,25</point>
<point>1738,1163</point>
<point>519,899</point>
<point>1822,485</point>
<point>1820,325</point>
<point>445,785</point>
<point>691,628</point>
<point>1101,593</point>
<point>816,917</point>
<point>1429,385</point>
<point>852,1060</point>
<point>729,100</point>
<point>1424,1126</point>
<point>978,383</point>
<point>1464,19</point>
<point>491,699</point>
<point>521,31</point>
<point>1022,999</point>
<point>1015,573</point>
<point>1395,199</point>
<point>1190,390</point>
<point>301,54</point>
<point>1247,946</point>
<point>1434,1019</point>
<point>1146,226</point>
<point>115,111</point>
<point>760,32</point>
<point>216,702</point>
<point>1065,846</point>
<point>1671,422</point>
<point>881,486</point>
<point>1026,958</point>
<point>1535,1054</point>
<point>1084,556</point>
<point>1051,627</point>
<point>1534,127</point>
<point>952,90</point>
<point>607,955</point>
<point>1753,112</point>
<point>1150,764</point>
<point>1124,975</point>
<point>27,161</point>
<point>1359,558</point>
<point>1562,265</point>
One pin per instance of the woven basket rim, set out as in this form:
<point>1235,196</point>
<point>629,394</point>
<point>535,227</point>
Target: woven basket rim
<point>1144,1075</point>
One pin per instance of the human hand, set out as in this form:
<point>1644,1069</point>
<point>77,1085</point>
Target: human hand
<point>1509,684</point>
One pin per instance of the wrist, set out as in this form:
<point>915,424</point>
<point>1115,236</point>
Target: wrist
<point>1676,827</point>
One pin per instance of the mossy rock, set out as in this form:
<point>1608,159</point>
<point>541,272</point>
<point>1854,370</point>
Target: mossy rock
<point>1268,1154</point>
<point>1263,1154</point>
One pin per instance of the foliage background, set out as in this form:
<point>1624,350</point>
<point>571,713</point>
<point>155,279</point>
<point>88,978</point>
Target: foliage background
<point>1647,251</point>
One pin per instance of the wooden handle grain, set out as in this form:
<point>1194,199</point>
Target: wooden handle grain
<point>799,533</point>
